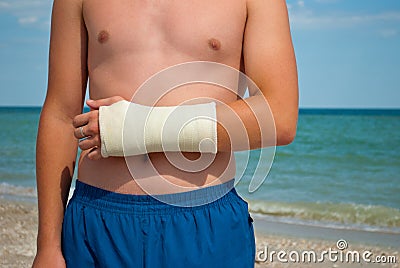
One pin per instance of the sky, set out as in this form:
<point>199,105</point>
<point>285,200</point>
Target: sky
<point>348,52</point>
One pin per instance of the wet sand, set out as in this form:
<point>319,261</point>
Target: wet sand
<point>18,227</point>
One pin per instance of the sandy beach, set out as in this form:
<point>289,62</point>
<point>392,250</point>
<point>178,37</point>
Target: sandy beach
<point>17,233</point>
<point>19,226</point>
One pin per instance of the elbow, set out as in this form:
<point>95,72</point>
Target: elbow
<point>286,127</point>
<point>285,135</point>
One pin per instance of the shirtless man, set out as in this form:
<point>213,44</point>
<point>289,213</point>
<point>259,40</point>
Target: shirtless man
<point>118,45</point>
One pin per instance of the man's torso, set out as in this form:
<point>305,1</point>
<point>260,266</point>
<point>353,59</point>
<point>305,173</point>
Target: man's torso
<point>129,41</point>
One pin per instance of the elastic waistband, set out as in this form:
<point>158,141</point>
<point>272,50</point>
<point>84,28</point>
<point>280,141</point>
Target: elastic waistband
<point>144,204</point>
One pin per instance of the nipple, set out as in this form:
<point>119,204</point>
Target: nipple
<point>103,36</point>
<point>214,44</point>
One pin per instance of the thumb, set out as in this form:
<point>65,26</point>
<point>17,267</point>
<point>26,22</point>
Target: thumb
<point>95,104</point>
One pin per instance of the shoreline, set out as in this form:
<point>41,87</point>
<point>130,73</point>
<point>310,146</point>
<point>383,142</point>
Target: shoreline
<point>19,226</point>
<point>269,226</point>
<point>19,193</point>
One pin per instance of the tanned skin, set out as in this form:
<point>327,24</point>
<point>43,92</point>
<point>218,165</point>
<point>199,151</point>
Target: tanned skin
<point>119,44</point>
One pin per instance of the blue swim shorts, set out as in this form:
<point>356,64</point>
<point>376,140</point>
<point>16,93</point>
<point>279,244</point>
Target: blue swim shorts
<point>107,229</point>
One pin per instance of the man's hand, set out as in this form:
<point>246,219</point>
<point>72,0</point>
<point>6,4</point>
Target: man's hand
<point>50,257</point>
<point>87,127</point>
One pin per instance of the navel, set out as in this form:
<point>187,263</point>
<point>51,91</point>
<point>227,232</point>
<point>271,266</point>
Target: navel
<point>103,36</point>
<point>214,44</point>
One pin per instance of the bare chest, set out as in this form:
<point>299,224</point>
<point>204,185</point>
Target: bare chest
<point>200,29</point>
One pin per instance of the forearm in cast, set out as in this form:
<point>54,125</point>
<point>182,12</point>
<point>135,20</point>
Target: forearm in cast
<point>128,129</point>
<point>132,129</point>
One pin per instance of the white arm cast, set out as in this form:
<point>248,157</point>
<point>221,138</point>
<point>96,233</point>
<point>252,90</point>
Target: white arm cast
<point>128,128</point>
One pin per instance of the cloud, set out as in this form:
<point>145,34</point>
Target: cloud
<point>34,13</point>
<point>326,1</point>
<point>306,18</point>
<point>317,15</point>
<point>387,33</point>
<point>4,5</point>
<point>28,20</point>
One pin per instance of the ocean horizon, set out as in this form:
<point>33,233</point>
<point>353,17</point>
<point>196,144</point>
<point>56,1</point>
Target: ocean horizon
<point>342,170</point>
<point>302,110</point>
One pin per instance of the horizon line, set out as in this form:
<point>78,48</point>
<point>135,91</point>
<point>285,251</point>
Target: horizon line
<point>300,108</point>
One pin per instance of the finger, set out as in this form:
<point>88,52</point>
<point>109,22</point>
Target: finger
<point>95,154</point>
<point>89,121</point>
<point>80,120</point>
<point>92,128</point>
<point>80,132</point>
<point>89,143</point>
<point>92,104</point>
<point>95,104</point>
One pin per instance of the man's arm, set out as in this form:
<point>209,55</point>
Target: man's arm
<point>56,146</point>
<point>270,62</point>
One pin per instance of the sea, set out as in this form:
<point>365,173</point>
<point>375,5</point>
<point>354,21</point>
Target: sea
<point>342,170</point>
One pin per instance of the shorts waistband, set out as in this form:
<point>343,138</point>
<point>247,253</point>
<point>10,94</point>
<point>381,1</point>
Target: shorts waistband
<point>97,197</point>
